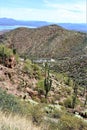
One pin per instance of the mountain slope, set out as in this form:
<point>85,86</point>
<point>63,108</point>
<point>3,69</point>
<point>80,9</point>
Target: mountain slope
<point>48,41</point>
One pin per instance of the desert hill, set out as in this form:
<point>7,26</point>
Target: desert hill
<point>48,41</point>
<point>68,47</point>
<point>23,87</point>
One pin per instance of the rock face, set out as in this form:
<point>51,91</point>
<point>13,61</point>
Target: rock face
<point>31,92</point>
<point>15,81</point>
<point>9,62</point>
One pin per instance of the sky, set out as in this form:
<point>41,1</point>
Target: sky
<point>58,11</point>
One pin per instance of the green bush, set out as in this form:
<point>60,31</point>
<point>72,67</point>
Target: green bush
<point>69,122</point>
<point>7,51</point>
<point>57,113</point>
<point>37,114</point>
<point>60,76</point>
<point>68,102</point>
<point>13,104</point>
<point>27,66</point>
<point>66,122</point>
<point>68,90</point>
<point>40,87</point>
<point>51,125</point>
<point>66,80</point>
<point>35,67</point>
<point>32,69</point>
<point>37,71</point>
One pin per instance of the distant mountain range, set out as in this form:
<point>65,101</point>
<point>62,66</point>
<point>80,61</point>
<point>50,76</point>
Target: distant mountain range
<point>75,26</point>
<point>12,22</point>
<point>70,26</point>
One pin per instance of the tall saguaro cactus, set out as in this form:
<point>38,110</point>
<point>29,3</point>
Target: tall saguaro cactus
<point>85,103</point>
<point>75,95</point>
<point>47,81</point>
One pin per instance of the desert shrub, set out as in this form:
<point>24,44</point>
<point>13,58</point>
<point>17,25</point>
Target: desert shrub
<point>35,67</point>
<point>28,62</point>
<point>7,51</point>
<point>15,122</point>
<point>13,104</point>
<point>57,113</point>
<point>40,87</point>
<point>68,102</point>
<point>59,76</point>
<point>52,125</point>
<point>32,69</point>
<point>68,90</point>
<point>71,82</point>
<point>21,85</point>
<point>57,96</point>
<point>37,114</point>
<point>61,103</point>
<point>27,66</point>
<point>43,100</point>
<point>17,58</point>
<point>37,71</point>
<point>69,122</point>
<point>66,122</point>
<point>66,80</point>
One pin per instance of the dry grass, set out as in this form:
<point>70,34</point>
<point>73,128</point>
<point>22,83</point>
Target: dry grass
<point>15,123</point>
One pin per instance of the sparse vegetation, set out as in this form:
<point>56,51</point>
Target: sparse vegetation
<point>68,122</point>
<point>40,86</point>
<point>47,100</point>
<point>4,51</point>
<point>10,103</point>
<point>48,41</point>
<point>32,69</point>
<point>15,122</point>
<point>68,102</point>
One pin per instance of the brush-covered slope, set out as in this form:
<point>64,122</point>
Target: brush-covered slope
<point>49,41</point>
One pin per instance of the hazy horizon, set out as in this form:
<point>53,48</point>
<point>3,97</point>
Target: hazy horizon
<point>57,11</point>
<point>39,20</point>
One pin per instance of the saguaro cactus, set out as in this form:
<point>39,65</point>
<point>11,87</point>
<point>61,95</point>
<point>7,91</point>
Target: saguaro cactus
<point>85,103</point>
<point>47,81</point>
<point>75,95</point>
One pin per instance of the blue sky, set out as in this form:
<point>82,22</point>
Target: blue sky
<point>64,11</point>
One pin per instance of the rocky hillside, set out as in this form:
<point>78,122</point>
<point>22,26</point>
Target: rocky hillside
<point>49,41</point>
<point>26,80</point>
